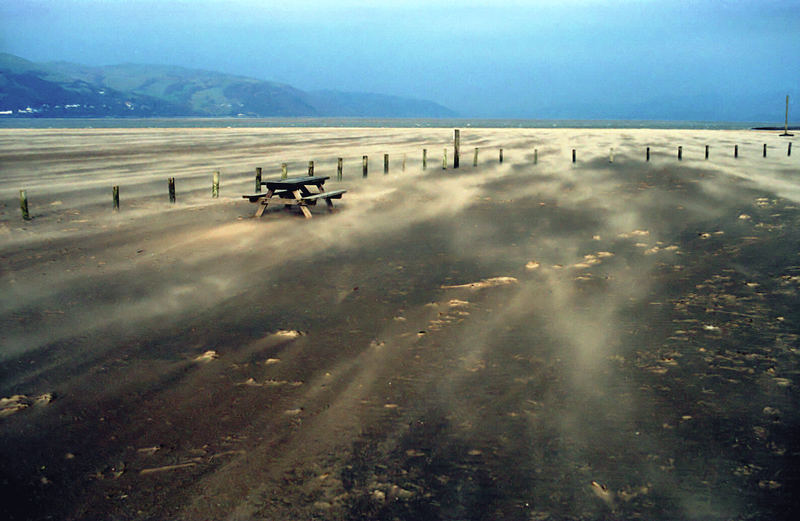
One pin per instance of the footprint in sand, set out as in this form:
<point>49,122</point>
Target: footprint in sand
<point>485,283</point>
<point>19,402</point>
<point>206,357</point>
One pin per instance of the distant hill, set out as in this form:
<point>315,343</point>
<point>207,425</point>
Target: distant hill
<point>61,89</point>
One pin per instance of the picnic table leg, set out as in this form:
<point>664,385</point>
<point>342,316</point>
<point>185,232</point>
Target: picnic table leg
<point>302,204</point>
<point>262,203</point>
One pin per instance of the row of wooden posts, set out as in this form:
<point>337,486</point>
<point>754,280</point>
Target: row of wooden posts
<point>23,198</point>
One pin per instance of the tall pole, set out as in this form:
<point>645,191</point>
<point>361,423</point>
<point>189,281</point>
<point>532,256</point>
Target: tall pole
<point>786,121</point>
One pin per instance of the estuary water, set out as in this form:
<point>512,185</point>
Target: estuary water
<point>366,123</point>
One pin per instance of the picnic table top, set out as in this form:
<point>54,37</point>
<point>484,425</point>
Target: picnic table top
<point>295,182</point>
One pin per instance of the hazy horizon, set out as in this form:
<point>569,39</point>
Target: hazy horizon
<point>576,59</point>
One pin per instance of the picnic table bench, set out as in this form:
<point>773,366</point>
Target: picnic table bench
<point>294,191</point>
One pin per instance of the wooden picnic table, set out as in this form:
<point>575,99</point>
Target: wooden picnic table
<point>294,191</point>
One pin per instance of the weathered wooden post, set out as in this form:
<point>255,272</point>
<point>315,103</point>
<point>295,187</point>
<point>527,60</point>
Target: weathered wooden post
<point>284,171</point>
<point>648,153</point>
<point>171,183</point>
<point>789,150</point>
<point>23,205</point>
<point>735,151</point>
<point>444,160</point>
<point>501,155</point>
<point>475,158</point>
<point>680,153</point>
<point>456,147</point>
<point>611,155</point>
<point>215,185</point>
<point>706,151</point>
<point>424,158</point>
<point>115,197</point>
<point>310,169</point>
<point>573,155</point>
<point>535,156</point>
<point>339,169</point>
<point>364,166</point>
<point>404,163</point>
<point>258,179</point>
<point>385,164</point>
<point>765,150</point>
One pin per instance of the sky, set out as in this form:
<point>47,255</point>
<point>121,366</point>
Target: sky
<point>624,59</point>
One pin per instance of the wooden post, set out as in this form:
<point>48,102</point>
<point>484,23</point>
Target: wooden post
<point>501,155</point>
<point>23,205</point>
<point>115,196</point>
<point>648,153</point>
<point>258,179</point>
<point>573,155</point>
<point>385,164</point>
<point>310,169</point>
<point>765,150</point>
<point>475,158</point>
<point>171,183</point>
<point>284,171</point>
<point>680,153</point>
<point>706,151</point>
<point>444,160</point>
<point>611,155</point>
<point>364,163</point>
<point>789,150</point>
<point>735,150</point>
<point>456,147</point>
<point>424,158</point>
<point>404,162</point>
<point>215,185</point>
<point>339,169</point>
<point>535,156</point>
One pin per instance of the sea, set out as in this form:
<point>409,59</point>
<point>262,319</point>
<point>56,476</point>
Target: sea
<point>80,123</point>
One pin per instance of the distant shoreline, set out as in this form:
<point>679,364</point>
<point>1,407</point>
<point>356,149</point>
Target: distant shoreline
<point>277,122</point>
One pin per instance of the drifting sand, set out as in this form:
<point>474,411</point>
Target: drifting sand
<point>513,341</point>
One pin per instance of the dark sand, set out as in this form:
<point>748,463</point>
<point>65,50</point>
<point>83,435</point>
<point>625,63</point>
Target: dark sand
<point>550,342</point>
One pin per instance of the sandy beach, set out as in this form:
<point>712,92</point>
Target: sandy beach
<point>521,340</point>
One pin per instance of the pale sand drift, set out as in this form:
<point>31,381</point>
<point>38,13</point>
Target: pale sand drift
<point>517,341</point>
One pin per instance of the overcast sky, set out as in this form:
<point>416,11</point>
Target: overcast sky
<point>504,58</point>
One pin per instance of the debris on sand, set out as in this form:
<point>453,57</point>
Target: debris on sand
<point>485,283</point>
<point>604,493</point>
<point>18,402</point>
<point>206,357</point>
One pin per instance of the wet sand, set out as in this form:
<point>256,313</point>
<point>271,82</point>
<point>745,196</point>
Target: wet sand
<point>525,341</point>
